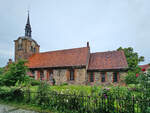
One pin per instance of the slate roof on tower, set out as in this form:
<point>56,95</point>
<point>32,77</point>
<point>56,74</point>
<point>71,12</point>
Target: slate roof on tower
<point>107,60</point>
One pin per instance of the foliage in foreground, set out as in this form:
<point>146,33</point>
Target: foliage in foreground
<point>131,78</point>
<point>133,59</point>
<point>1,71</point>
<point>15,72</point>
<point>108,100</point>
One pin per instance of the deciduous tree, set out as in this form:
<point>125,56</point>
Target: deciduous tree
<point>15,72</point>
<point>133,59</point>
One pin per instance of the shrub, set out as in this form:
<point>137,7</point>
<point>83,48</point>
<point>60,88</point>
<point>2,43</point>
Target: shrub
<point>15,72</point>
<point>1,71</point>
<point>148,110</point>
<point>42,98</point>
<point>35,82</point>
<point>10,94</point>
<point>131,78</point>
<point>64,84</point>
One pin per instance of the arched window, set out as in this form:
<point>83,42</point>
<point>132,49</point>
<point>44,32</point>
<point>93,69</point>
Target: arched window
<point>19,46</point>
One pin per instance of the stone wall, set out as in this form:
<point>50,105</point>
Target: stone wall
<point>63,76</point>
<point>60,76</point>
<point>80,75</point>
<point>108,78</point>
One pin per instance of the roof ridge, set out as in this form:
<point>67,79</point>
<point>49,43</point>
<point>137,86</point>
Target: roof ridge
<point>105,51</point>
<point>61,50</point>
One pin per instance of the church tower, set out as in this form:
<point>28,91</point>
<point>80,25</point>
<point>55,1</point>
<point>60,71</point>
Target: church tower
<point>25,46</point>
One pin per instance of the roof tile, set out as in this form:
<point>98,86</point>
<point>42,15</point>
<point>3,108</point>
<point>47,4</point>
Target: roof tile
<point>107,60</point>
<point>60,58</point>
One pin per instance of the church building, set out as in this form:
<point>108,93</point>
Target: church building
<point>72,66</point>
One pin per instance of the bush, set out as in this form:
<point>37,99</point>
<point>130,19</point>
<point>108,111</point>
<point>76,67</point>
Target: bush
<point>10,94</point>
<point>64,84</point>
<point>1,71</point>
<point>35,82</point>
<point>42,98</point>
<point>15,72</point>
<point>131,78</point>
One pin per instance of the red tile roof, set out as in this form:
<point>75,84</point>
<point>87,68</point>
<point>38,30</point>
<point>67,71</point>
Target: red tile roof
<point>146,66</point>
<point>107,60</point>
<point>60,58</point>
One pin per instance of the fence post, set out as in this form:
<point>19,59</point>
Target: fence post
<point>133,103</point>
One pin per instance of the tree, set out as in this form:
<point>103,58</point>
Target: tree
<point>133,59</point>
<point>131,78</point>
<point>16,72</point>
<point>144,85</point>
<point>1,71</point>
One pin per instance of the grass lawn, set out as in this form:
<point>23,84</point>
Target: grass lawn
<point>65,88</point>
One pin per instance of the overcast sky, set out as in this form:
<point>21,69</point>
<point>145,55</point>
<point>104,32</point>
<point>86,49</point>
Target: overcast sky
<point>63,24</point>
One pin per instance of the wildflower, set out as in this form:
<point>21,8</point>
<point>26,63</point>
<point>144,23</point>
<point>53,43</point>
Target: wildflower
<point>143,69</point>
<point>66,100</point>
<point>107,89</point>
<point>61,92</point>
<point>105,95</point>
<point>137,75</point>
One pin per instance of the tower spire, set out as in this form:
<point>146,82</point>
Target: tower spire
<point>28,27</point>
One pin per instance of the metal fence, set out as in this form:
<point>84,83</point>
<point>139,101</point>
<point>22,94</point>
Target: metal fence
<point>88,104</point>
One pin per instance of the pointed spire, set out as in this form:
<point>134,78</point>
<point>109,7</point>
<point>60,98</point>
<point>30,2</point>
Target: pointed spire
<point>28,20</point>
<point>28,27</point>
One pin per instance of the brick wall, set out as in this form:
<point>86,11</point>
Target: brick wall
<point>25,52</point>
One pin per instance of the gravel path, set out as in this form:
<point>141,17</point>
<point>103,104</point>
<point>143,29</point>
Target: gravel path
<point>9,109</point>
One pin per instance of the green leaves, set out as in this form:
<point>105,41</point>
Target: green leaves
<point>15,72</point>
<point>131,78</point>
<point>132,57</point>
<point>1,71</point>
